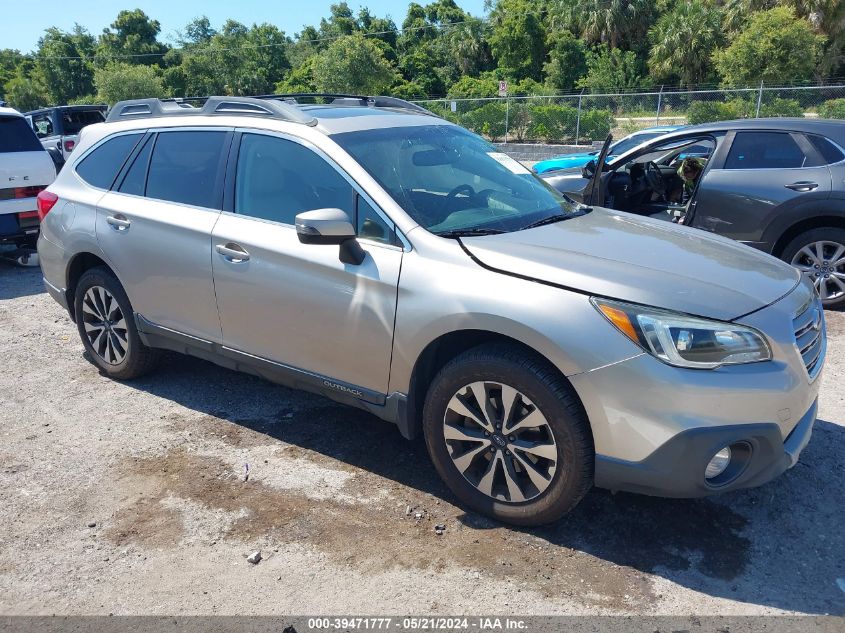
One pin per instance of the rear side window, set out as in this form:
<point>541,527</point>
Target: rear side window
<point>184,168</point>
<point>74,120</point>
<point>100,167</point>
<point>764,150</point>
<point>828,150</point>
<point>17,136</point>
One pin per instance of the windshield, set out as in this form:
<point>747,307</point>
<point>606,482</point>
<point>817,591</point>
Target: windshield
<point>630,142</point>
<point>451,181</point>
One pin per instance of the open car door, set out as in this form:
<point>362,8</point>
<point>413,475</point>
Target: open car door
<point>594,191</point>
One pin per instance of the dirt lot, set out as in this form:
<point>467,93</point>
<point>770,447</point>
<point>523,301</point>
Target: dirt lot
<point>332,501</point>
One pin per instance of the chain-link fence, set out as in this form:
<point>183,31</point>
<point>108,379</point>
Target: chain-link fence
<point>579,119</point>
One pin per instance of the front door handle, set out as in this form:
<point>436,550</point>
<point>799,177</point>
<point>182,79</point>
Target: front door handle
<point>118,222</point>
<point>804,185</point>
<point>232,252</point>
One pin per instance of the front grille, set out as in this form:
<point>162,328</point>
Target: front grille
<point>810,336</point>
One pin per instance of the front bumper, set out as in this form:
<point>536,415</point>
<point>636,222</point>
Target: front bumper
<point>676,469</point>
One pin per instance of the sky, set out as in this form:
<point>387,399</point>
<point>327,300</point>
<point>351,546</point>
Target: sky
<point>21,27</point>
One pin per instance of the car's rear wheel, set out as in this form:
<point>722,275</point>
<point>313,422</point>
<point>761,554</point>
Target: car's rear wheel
<point>820,254</point>
<point>106,326</point>
<point>508,436</point>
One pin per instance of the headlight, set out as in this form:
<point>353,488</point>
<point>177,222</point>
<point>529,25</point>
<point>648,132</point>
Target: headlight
<point>685,341</point>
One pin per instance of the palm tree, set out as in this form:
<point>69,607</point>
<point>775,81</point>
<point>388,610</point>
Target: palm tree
<point>683,41</point>
<point>611,22</point>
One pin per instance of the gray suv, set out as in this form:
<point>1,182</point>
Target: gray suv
<point>775,184</point>
<point>363,249</point>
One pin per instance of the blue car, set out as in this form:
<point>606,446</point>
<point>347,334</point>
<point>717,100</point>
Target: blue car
<point>621,146</point>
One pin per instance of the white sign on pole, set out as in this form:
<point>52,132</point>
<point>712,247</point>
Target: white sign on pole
<point>454,106</point>
<point>503,88</point>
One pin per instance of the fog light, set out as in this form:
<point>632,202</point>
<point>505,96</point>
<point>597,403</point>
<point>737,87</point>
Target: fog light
<point>718,464</point>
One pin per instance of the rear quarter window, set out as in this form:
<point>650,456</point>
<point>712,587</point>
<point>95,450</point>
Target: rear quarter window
<point>74,120</point>
<point>101,166</point>
<point>830,153</point>
<point>17,136</point>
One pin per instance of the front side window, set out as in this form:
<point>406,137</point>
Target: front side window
<point>101,166</point>
<point>184,167</point>
<point>277,179</point>
<point>450,180</point>
<point>764,150</point>
<point>371,226</point>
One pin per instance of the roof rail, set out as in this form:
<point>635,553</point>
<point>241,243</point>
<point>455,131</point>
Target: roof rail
<point>149,108</point>
<point>349,99</point>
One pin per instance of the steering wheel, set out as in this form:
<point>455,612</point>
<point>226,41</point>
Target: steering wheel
<point>460,188</point>
<point>654,178</point>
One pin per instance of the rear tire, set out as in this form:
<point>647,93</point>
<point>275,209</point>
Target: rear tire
<point>526,455</point>
<point>820,254</point>
<point>106,325</point>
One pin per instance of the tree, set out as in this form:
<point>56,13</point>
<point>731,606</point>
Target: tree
<point>567,61</point>
<point>353,64</point>
<point>132,39</point>
<point>24,93</point>
<point>517,39</point>
<point>613,22</point>
<point>118,81</point>
<point>64,63</point>
<point>775,47</point>
<point>611,70</point>
<point>683,41</point>
<point>10,60</point>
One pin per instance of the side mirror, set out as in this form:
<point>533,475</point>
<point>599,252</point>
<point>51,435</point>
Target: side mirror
<point>589,169</point>
<point>330,226</point>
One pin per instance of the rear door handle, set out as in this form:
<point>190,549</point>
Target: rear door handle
<point>803,185</point>
<point>232,252</point>
<point>118,222</point>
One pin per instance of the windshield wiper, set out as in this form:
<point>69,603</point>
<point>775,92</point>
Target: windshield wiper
<point>580,210</point>
<point>469,232</point>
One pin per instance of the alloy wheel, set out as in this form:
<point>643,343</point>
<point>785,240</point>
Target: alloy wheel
<point>824,263</point>
<point>105,325</point>
<point>500,441</point>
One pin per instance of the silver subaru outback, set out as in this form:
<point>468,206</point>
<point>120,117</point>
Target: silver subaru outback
<point>365,250</point>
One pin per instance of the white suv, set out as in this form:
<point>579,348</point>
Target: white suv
<point>25,170</point>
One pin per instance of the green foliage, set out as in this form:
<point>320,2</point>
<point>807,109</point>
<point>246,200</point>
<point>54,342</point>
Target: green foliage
<point>709,111</point>
<point>133,39</point>
<point>66,78</point>
<point>488,120</point>
<point>517,37</point>
<point>683,41</point>
<point>353,64</point>
<point>612,70</point>
<point>567,61</point>
<point>24,93</point>
<point>775,46</point>
<point>474,88</point>
<point>596,124</point>
<point>612,22</point>
<point>119,81</point>
<point>301,79</point>
<point>833,109</point>
<point>553,123</point>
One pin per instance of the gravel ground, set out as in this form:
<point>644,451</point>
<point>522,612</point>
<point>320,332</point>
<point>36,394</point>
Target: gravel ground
<point>130,498</point>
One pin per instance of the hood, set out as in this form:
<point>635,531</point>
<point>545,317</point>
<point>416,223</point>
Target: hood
<point>641,260</point>
<point>564,162</point>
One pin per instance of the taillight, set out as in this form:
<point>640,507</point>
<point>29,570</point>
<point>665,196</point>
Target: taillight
<point>69,145</point>
<point>45,200</point>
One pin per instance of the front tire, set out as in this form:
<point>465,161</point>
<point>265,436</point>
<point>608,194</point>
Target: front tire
<point>508,435</point>
<point>106,325</point>
<point>820,254</point>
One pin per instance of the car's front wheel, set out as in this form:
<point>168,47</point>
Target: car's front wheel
<point>106,326</point>
<point>508,435</point>
<point>820,254</point>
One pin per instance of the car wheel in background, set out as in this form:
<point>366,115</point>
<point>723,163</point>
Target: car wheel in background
<point>820,254</point>
<point>508,435</point>
<point>106,325</point>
